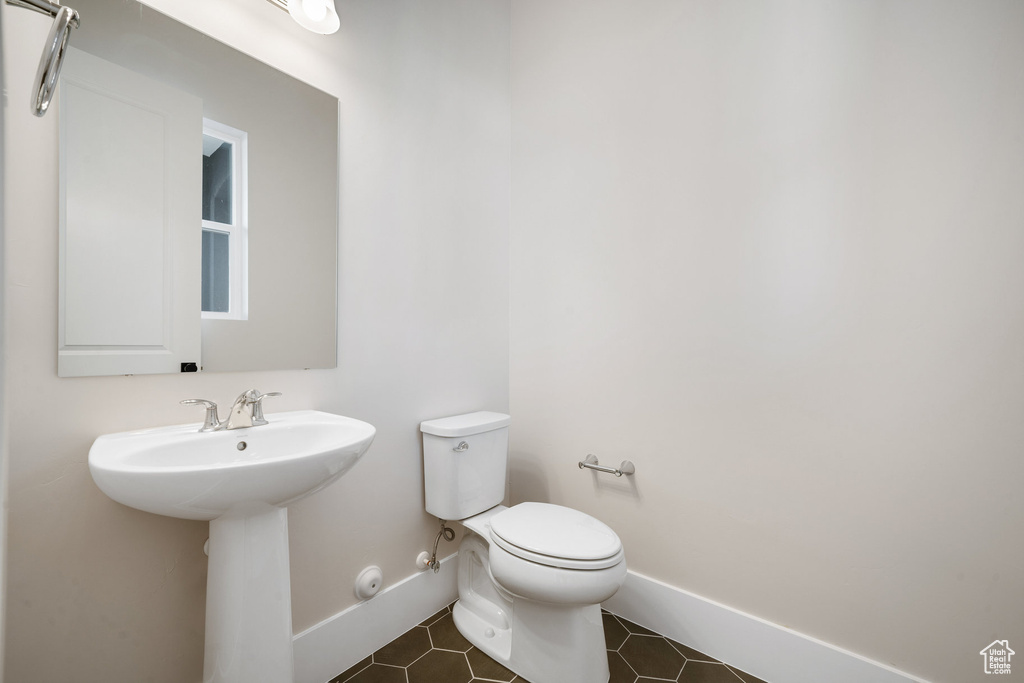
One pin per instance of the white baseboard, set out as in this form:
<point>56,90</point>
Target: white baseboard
<point>339,642</point>
<point>771,652</point>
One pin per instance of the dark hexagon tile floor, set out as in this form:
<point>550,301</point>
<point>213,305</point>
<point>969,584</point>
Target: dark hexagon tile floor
<point>435,652</point>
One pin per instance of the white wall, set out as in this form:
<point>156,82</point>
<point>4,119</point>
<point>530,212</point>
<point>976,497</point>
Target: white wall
<point>771,253</point>
<point>100,592</point>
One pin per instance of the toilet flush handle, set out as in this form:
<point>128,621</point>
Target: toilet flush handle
<point>463,446</point>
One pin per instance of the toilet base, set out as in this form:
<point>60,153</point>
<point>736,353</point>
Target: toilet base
<point>540,642</point>
<point>546,644</point>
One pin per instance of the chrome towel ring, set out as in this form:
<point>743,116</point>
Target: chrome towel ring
<point>64,19</point>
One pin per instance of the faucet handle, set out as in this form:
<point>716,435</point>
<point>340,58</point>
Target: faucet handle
<point>212,421</point>
<point>257,407</point>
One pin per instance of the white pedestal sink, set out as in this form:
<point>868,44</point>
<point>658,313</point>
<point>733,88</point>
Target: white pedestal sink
<point>241,480</point>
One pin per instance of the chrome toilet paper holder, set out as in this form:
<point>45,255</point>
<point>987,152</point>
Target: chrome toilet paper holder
<point>591,463</point>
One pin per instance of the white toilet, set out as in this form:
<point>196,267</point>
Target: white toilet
<point>531,577</point>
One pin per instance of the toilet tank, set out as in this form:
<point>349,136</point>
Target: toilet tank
<point>465,462</point>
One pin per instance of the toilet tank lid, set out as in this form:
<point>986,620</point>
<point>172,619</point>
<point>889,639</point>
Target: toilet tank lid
<point>465,425</point>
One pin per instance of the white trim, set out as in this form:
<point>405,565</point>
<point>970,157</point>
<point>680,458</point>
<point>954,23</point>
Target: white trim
<point>339,642</point>
<point>771,652</point>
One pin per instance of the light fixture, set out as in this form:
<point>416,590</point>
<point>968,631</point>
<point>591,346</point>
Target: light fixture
<point>318,16</point>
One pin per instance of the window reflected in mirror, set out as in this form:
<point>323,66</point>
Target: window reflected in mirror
<point>216,266</point>
<point>216,179</point>
<point>224,263</point>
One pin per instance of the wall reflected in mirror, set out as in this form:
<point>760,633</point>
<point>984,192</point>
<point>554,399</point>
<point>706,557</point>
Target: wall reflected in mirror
<point>196,182</point>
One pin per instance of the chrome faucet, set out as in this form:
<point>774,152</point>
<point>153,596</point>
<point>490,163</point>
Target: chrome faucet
<point>247,411</point>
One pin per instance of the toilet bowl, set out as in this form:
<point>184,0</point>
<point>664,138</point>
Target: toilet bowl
<point>530,577</point>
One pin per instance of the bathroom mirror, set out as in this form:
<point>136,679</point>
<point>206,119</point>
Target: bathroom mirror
<point>280,137</point>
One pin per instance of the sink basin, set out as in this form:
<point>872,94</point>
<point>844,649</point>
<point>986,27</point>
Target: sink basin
<point>180,472</point>
<point>241,480</point>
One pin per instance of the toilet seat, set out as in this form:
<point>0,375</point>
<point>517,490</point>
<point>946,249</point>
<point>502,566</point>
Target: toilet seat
<point>556,536</point>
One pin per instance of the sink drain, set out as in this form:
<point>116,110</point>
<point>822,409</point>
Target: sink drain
<point>242,445</point>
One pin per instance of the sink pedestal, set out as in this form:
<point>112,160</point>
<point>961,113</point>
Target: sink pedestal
<point>248,597</point>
